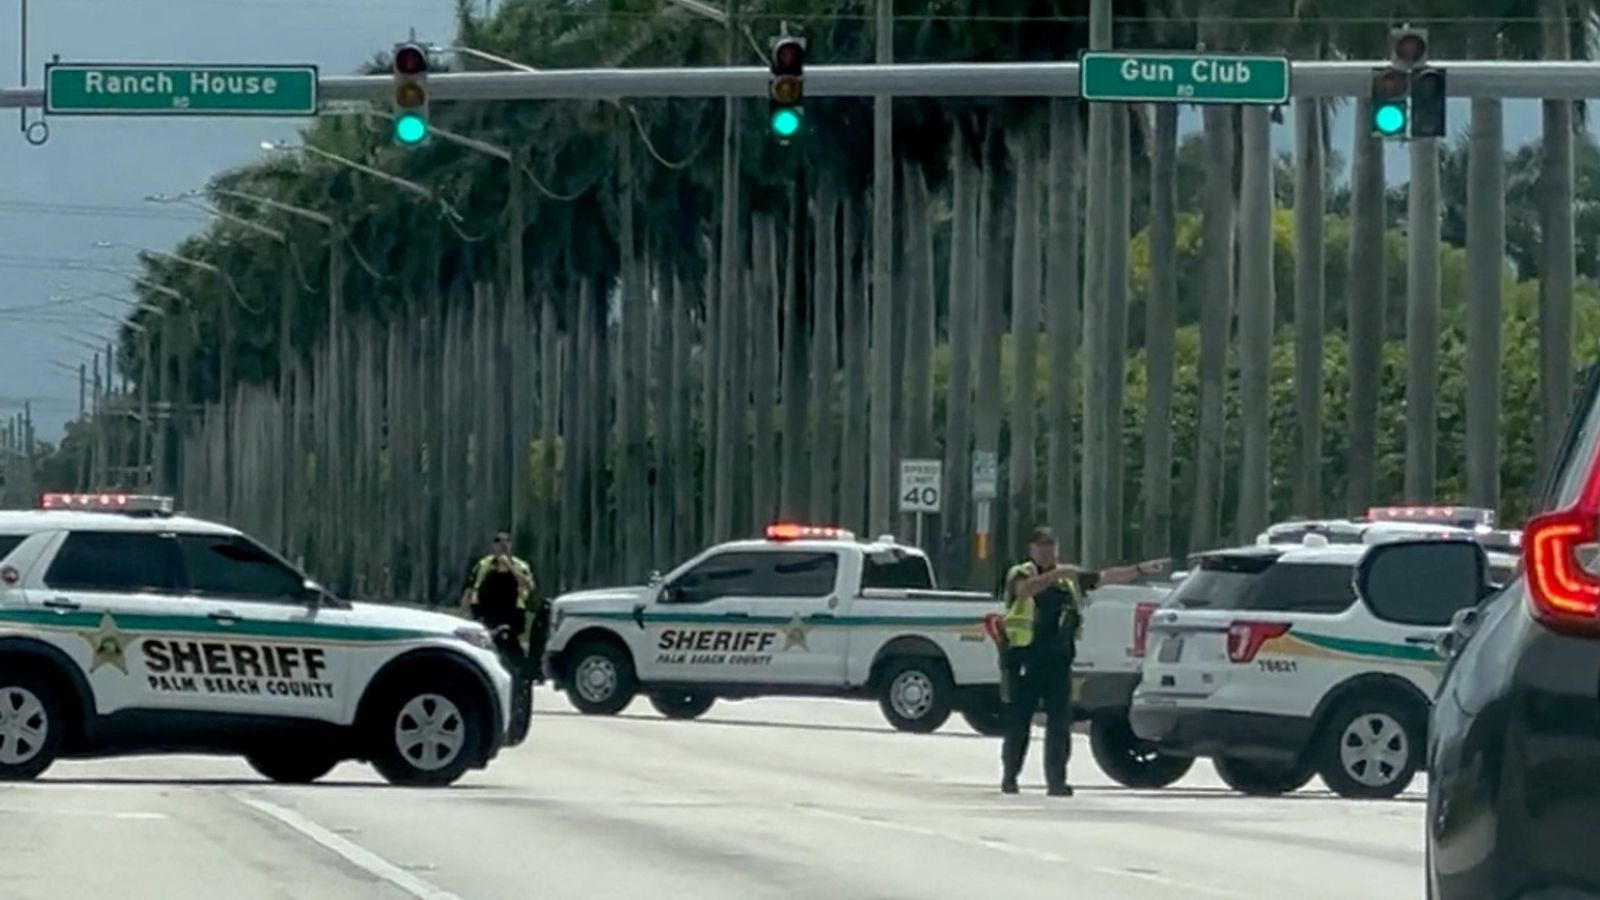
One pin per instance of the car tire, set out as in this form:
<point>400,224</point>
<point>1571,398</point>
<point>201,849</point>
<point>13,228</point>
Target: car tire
<point>1258,778</point>
<point>1131,761</point>
<point>291,767</point>
<point>1370,748</point>
<point>986,716</point>
<point>32,725</point>
<point>917,694</point>
<point>685,704</point>
<point>427,733</point>
<point>601,679</point>
<point>521,711</point>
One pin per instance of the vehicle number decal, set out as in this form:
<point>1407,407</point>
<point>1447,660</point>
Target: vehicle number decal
<point>1277,665</point>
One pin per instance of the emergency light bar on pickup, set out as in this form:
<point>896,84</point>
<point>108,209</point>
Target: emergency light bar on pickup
<point>129,503</point>
<point>787,532</point>
<point>1458,516</point>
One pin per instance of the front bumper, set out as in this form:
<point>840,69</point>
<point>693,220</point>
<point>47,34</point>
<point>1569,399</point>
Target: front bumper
<point>1198,731</point>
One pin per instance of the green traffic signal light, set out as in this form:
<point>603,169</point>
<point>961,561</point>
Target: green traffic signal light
<point>410,129</point>
<point>1389,119</point>
<point>786,122</point>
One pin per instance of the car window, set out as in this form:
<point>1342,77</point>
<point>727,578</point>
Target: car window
<point>1423,586</point>
<point>8,543</point>
<point>1577,448</point>
<point>114,562</point>
<point>234,567</point>
<point>897,569</point>
<point>1302,587</point>
<point>1220,582</point>
<point>764,574</point>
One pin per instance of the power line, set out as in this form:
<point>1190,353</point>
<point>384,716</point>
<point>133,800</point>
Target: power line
<point>38,207</point>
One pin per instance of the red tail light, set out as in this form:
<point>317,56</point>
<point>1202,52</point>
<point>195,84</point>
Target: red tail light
<point>1141,626</point>
<point>1562,594</point>
<point>1245,638</point>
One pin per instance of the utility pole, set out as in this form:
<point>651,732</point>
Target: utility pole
<point>880,513</point>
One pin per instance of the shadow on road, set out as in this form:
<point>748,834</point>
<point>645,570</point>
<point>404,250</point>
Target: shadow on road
<point>742,723</point>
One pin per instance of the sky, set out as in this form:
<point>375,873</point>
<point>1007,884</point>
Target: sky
<point>87,183</point>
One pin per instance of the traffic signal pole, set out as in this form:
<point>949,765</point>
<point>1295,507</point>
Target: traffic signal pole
<point>1346,78</point>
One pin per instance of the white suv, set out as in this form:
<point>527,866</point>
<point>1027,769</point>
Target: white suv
<point>126,629</point>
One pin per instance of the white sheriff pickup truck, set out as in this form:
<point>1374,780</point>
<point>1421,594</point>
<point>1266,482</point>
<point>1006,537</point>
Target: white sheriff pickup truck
<point>813,612</point>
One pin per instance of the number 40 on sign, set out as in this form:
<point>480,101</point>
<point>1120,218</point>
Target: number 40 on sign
<point>921,485</point>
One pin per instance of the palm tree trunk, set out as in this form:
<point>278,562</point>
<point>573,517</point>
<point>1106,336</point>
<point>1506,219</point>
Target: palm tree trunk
<point>680,423</point>
<point>824,306</point>
<point>1160,335</point>
<point>1117,326</point>
<point>1215,310</point>
<point>853,447</point>
<point>1097,311</point>
<point>764,295</point>
<point>1309,303</point>
<point>1365,304</point>
<point>879,486</point>
<point>1256,309</point>
<point>1486,244</point>
<point>991,318</point>
<point>796,380</point>
<point>1422,323</point>
<point>962,319</point>
<point>1061,316</point>
<point>1025,335</point>
<point>663,388</point>
<point>1556,265</point>
<point>920,318</point>
<point>633,317</point>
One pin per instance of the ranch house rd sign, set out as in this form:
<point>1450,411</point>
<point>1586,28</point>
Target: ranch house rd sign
<point>1134,77</point>
<point>150,89</point>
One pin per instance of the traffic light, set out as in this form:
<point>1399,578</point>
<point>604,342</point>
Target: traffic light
<point>1389,113</point>
<point>410,67</point>
<point>787,91</point>
<point>1427,102</point>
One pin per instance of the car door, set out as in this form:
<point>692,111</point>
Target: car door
<point>114,599</point>
<point>797,593</point>
<point>1406,625</point>
<point>270,650</point>
<point>701,617</point>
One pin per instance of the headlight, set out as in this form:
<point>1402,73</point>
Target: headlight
<point>477,636</point>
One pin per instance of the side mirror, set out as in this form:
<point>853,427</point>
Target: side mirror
<point>312,593</point>
<point>1415,582</point>
<point>655,576</point>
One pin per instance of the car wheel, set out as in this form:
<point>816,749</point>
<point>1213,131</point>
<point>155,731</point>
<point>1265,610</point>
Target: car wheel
<point>1369,748</point>
<point>685,704</point>
<point>31,725</point>
<point>521,711</point>
<point>428,736</point>
<point>1131,761</point>
<point>601,681</point>
<point>291,767</point>
<point>1262,779</point>
<point>917,694</point>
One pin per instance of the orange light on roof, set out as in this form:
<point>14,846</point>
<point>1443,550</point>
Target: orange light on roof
<point>783,531</point>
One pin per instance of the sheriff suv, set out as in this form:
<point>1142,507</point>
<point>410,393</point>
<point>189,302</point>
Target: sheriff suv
<point>127,629</point>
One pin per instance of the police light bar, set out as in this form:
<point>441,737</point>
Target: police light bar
<point>1458,516</point>
<point>787,532</point>
<point>128,503</point>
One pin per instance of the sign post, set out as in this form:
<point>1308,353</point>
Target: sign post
<point>156,89</point>
<point>1157,77</point>
<point>921,489</point>
<point>985,488</point>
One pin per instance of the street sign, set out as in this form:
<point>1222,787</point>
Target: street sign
<point>153,89</point>
<point>1183,78</point>
<point>921,485</point>
<point>985,475</point>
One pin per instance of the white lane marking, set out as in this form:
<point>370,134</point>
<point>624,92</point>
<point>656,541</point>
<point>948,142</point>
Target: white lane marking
<point>1018,850</point>
<point>352,853</point>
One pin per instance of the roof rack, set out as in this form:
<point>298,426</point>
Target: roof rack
<point>127,504</point>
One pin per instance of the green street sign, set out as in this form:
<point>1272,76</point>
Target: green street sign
<point>151,89</point>
<point>1157,77</point>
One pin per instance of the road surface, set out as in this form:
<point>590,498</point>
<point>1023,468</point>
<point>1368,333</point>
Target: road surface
<point>790,799</point>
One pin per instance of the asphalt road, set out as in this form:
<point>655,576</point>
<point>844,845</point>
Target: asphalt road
<point>768,799</point>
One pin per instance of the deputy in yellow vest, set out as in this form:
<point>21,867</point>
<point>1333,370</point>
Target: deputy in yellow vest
<point>1043,618</point>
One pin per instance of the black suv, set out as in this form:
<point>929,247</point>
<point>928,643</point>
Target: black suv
<point>1514,747</point>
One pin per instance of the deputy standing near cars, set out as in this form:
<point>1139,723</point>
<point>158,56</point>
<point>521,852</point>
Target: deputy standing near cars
<point>1043,616</point>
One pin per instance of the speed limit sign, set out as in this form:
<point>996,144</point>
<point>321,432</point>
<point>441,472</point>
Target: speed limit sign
<point>921,485</point>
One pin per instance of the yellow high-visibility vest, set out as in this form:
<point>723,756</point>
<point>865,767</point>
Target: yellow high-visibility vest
<point>1019,610</point>
<point>486,565</point>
